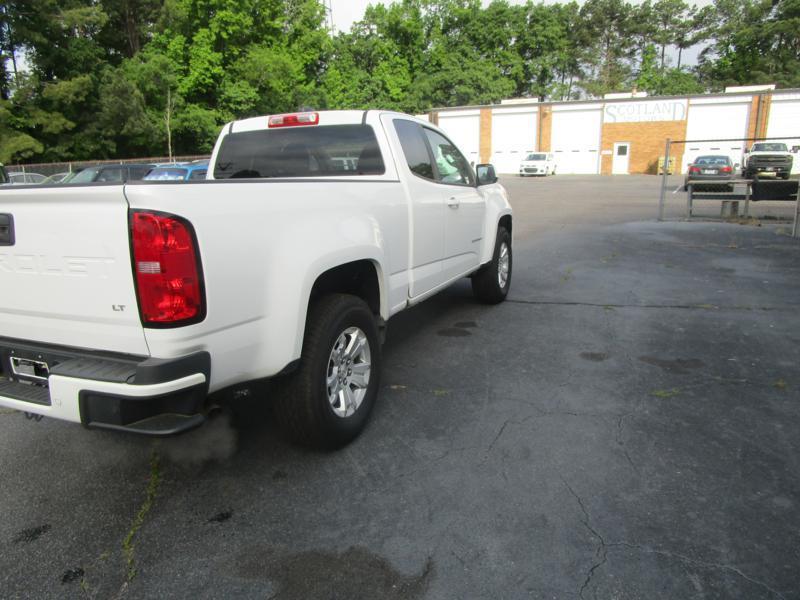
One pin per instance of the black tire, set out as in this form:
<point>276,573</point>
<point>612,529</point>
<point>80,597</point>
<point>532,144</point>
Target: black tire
<point>302,407</point>
<point>486,282</point>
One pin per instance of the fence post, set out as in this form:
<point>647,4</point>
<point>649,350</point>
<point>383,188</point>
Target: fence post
<point>664,172</point>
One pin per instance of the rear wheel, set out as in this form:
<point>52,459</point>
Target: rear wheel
<point>492,282</point>
<point>327,401</point>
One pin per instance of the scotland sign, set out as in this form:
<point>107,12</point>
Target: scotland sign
<point>652,110</point>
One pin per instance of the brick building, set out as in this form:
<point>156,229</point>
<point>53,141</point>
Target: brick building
<point>623,133</point>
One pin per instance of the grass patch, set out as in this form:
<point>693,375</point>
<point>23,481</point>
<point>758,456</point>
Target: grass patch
<point>608,258</point>
<point>746,221</point>
<point>665,393</point>
<point>129,543</point>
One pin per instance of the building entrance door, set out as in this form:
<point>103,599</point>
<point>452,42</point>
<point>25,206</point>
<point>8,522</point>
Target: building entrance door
<point>622,151</point>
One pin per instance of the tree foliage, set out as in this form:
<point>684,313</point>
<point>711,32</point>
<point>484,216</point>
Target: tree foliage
<point>126,78</point>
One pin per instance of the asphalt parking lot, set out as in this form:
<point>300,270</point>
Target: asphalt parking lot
<point>626,425</point>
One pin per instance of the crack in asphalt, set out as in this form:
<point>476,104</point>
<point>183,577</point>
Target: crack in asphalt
<point>700,563</point>
<point>620,443</point>
<point>602,548</point>
<point>714,307</point>
<point>601,551</point>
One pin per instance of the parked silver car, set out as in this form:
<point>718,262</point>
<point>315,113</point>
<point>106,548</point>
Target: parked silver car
<point>25,178</point>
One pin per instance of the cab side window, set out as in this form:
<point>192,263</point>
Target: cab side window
<point>414,148</point>
<point>451,165</point>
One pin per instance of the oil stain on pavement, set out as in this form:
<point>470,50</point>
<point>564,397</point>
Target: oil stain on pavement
<point>31,535</point>
<point>354,574</point>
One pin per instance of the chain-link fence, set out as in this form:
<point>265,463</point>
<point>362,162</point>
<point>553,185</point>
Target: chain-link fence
<point>722,178</point>
<point>48,169</point>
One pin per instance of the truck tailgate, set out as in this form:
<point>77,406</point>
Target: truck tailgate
<point>65,270</point>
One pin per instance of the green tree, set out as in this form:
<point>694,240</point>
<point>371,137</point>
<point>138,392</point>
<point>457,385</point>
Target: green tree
<point>607,27</point>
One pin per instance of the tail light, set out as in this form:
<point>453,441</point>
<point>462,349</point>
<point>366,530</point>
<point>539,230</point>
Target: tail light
<point>726,170</point>
<point>294,119</point>
<point>694,169</point>
<point>166,264</point>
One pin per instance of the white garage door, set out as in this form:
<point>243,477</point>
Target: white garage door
<point>513,137</point>
<point>716,119</point>
<point>784,120</point>
<point>575,139</point>
<point>464,129</point>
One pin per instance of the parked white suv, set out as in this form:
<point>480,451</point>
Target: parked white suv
<point>538,163</point>
<point>139,306</point>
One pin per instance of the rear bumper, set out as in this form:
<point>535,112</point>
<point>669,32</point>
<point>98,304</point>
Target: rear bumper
<point>149,396</point>
<point>708,178</point>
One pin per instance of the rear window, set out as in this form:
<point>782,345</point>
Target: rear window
<point>328,151</point>
<point>712,160</point>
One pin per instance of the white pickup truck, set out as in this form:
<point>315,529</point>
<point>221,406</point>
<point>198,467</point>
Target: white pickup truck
<point>770,159</point>
<point>138,307</point>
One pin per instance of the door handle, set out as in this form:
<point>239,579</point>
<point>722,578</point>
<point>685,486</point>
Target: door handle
<point>453,202</point>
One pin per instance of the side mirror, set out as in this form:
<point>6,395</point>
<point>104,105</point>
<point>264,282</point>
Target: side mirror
<point>486,174</point>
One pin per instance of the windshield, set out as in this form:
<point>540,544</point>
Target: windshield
<point>166,174</point>
<point>85,176</point>
<point>311,151</point>
<point>69,177</point>
<point>771,147</point>
<point>536,157</point>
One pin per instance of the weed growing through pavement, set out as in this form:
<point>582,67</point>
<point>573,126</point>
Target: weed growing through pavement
<point>128,544</point>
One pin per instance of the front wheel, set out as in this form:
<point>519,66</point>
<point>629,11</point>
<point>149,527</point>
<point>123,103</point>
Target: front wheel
<point>491,283</point>
<point>327,401</point>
